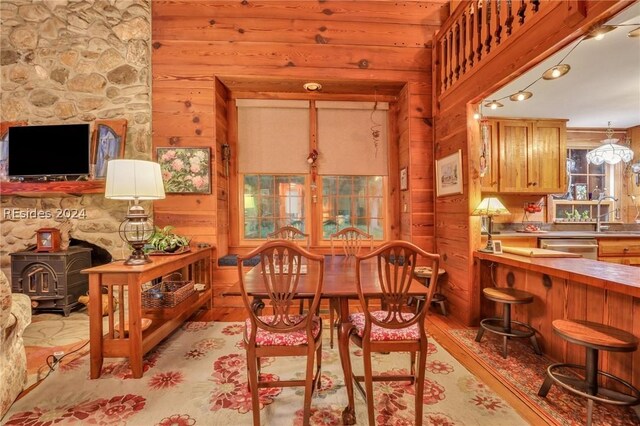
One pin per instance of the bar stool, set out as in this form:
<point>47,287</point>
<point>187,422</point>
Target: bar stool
<point>422,274</point>
<point>594,337</point>
<point>504,326</point>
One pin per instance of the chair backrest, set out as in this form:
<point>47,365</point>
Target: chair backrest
<point>395,263</point>
<point>290,233</point>
<point>282,263</point>
<point>351,239</point>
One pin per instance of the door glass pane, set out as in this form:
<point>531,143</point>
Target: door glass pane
<point>272,201</point>
<point>358,203</point>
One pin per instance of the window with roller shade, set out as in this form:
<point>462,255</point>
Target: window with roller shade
<point>274,142</point>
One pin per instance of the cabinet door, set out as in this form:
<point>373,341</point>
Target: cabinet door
<point>514,139</point>
<point>547,157</point>
<point>489,182</point>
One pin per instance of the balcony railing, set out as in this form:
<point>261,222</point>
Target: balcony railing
<point>476,30</point>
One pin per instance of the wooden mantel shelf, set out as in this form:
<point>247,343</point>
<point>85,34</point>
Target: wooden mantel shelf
<point>65,187</point>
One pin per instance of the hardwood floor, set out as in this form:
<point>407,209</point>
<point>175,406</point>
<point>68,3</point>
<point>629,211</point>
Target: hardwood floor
<point>438,326</point>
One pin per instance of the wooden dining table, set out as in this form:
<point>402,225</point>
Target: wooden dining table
<point>339,282</point>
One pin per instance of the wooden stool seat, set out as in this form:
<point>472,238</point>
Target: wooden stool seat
<point>507,295</point>
<point>423,274</point>
<point>505,326</point>
<point>594,337</point>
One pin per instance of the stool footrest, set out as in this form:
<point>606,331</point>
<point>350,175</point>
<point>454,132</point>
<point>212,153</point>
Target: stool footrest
<point>579,386</point>
<point>495,325</point>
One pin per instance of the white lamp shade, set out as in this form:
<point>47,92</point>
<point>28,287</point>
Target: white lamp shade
<point>490,206</point>
<point>610,152</point>
<point>134,180</point>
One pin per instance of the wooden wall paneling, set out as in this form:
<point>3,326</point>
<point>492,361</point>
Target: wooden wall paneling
<point>182,116</point>
<point>307,31</point>
<point>181,54</point>
<point>407,13</point>
<point>404,146</point>
<point>232,135</point>
<point>222,169</point>
<point>618,311</point>
<point>635,329</point>
<point>394,209</point>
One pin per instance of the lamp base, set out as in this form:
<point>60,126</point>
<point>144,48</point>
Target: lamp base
<point>137,258</point>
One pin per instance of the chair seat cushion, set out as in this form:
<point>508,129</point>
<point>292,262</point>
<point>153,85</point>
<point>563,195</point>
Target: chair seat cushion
<point>382,334</point>
<point>295,338</point>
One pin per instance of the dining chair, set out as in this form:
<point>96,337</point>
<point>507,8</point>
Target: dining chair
<point>396,327</point>
<point>351,240</point>
<point>290,233</point>
<point>283,334</point>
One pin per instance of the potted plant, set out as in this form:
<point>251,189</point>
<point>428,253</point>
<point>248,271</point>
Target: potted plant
<point>165,240</point>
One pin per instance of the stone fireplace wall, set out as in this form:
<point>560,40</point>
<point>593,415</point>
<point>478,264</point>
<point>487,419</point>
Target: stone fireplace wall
<point>68,61</point>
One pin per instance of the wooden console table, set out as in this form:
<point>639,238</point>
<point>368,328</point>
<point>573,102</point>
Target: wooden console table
<point>119,279</point>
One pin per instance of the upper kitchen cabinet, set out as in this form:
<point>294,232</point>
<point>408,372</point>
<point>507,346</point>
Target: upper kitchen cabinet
<point>531,156</point>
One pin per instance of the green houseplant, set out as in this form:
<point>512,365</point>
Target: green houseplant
<point>165,240</point>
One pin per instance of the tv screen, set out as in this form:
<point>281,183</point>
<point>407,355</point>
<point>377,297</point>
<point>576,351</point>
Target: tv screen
<point>52,150</point>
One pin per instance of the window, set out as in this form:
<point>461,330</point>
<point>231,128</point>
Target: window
<point>272,201</point>
<point>353,201</point>
<point>583,173</point>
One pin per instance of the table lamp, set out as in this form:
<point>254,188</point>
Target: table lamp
<point>134,180</point>
<point>489,206</point>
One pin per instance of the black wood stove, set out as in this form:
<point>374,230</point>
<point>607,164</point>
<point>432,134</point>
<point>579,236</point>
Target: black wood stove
<point>53,280</point>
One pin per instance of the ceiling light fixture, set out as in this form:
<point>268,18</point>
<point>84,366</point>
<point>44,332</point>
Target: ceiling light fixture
<point>610,151</point>
<point>521,96</point>
<point>556,71</point>
<point>493,105</point>
<point>599,32</point>
<point>312,86</point>
<point>634,33</point>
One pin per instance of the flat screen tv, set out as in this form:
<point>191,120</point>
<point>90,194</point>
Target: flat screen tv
<point>49,151</point>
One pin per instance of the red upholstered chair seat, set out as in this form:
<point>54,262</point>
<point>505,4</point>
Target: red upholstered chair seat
<point>295,338</point>
<point>385,334</point>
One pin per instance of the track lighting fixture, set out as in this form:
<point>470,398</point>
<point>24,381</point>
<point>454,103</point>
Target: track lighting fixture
<point>521,96</point>
<point>556,71</point>
<point>599,32</point>
<point>493,105</point>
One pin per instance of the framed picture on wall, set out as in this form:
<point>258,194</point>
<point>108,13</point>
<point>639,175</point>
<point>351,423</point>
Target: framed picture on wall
<point>107,144</point>
<point>404,179</point>
<point>449,174</point>
<point>185,170</point>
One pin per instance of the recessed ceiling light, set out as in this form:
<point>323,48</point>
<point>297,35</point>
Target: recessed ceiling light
<point>312,87</point>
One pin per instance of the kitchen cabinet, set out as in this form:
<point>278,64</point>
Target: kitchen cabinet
<point>625,251</point>
<point>531,156</point>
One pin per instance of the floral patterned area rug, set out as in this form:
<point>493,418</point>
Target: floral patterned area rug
<point>525,372</point>
<point>198,376</point>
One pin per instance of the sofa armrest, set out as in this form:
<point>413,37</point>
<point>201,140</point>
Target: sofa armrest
<point>21,309</point>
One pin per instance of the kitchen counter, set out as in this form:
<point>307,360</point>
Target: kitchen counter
<point>622,279</point>
<point>573,288</point>
<point>567,234</point>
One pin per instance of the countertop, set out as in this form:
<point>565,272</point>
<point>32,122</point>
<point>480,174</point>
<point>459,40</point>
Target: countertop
<point>567,234</point>
<point>623,279</point>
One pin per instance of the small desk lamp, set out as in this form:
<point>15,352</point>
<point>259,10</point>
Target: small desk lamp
<point>135,180</point>
<point>489,207</point>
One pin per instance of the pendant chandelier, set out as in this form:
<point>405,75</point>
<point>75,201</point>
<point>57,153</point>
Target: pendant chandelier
<point>610,151</point>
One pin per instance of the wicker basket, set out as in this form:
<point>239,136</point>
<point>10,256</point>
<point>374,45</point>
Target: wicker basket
<point>167,293</point>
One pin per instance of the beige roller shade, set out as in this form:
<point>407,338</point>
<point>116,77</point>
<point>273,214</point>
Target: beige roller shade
<point>345,139</point>
<point>273,136</point>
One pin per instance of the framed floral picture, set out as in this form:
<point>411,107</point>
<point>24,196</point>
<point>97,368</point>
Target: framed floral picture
<point>185,170</point>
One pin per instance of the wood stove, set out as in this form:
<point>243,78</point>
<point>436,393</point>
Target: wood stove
<point>53,280</point>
